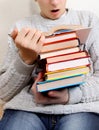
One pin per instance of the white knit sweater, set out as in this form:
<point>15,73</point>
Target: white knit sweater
<point>15,74</point>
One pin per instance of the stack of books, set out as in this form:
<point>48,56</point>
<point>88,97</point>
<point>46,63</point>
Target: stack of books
<point>66,64</point>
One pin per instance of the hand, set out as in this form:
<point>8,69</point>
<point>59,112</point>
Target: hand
<point>52,97</point>
<point>29,42</point>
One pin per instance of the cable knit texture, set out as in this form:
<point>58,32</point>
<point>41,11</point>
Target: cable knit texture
<point>15,74</point>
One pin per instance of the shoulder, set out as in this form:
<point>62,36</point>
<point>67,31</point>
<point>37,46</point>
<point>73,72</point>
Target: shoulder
<point>84,13</point>
<point>85,17</point>
<point>27,21</point>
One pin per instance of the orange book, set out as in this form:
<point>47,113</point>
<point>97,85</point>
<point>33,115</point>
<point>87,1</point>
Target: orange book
<point>64,57</point>
<point>60,37</point>
<point>59,52</point>
<point>60,45</point>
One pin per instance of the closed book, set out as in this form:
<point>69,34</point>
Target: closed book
<point>60,45</point>
<point>63,57</point>
<point>60,83</point>
<point>67,72</point>
<point>67,64</point>
<point>59,52</point>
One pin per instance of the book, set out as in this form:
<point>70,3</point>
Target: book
<point>59,52</point>
<point>60,37</point>
<point>68,27</point>
<point>63,57</point>
<point>64,68</point>
<point>67,72</point>
<point>58,45</point>
<point>81,31</point>
<point>67,64</point>
<point>48,85</point>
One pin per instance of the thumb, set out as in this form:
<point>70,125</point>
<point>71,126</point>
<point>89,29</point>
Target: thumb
<point>37,79</point>
<point>14,33</point>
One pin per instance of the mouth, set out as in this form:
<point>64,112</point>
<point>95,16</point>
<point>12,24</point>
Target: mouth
<point>54,10</point>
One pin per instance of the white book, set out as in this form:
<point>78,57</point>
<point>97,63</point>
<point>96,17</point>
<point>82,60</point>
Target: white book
<point>67,64</point>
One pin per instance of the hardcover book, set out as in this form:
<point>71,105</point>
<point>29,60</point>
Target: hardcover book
<point>81,32</point>
<point>64,57</point>
<point>60,83</point>
<point>67,64</point>
<point>67,72</point>
<point>58,45</point>
<point>60,37</point>
<point>59,52</point>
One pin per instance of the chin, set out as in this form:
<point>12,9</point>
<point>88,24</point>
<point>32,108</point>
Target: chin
<point>55,17</point>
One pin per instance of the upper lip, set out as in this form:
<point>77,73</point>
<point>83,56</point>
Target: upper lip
<point>54,10</point>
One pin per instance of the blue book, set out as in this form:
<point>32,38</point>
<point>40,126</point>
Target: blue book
<point>60,83</point>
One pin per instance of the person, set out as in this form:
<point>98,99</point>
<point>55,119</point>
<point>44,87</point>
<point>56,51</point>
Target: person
<point>74,108</point>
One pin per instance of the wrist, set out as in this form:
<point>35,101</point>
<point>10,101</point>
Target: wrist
<point>29,60</point>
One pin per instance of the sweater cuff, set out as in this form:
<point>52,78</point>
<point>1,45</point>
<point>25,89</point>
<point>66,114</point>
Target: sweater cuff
<point>75,95</point>
<point>22,67</point>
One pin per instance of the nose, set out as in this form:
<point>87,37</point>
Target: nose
<point>54,2</point>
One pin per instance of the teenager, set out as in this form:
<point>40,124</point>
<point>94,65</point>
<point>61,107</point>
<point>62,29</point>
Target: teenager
<point>68,109</point>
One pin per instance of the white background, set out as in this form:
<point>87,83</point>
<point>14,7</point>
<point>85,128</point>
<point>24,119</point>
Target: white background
<point>91,5</point>
<point>13,10</point>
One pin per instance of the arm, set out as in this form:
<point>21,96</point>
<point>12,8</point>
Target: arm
<point>14,74</point>
<point>89,91</point>
<point>18,66</point>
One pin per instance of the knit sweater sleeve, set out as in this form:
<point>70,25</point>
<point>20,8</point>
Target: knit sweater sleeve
<point>89,91</point>
<point>14,73</point>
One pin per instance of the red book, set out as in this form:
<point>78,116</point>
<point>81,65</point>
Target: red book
<point>64,57</point>
<point>59,52</point>
<point>49,47</point>
<point>60,37</point>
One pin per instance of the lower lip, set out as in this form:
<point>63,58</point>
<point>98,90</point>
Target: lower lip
<point>55,13</point>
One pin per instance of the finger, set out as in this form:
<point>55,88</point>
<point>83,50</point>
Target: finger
<point>36,37</point>
<point>14,33</point>
<point>30,34</point>
<point>58,93</point>
<point>41,39</point>
<point>24,32</point>
<point>54,94</point>
<point>39,44</point>
<point>38,78</point>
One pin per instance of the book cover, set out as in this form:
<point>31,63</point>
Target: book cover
<point>60,83</point>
